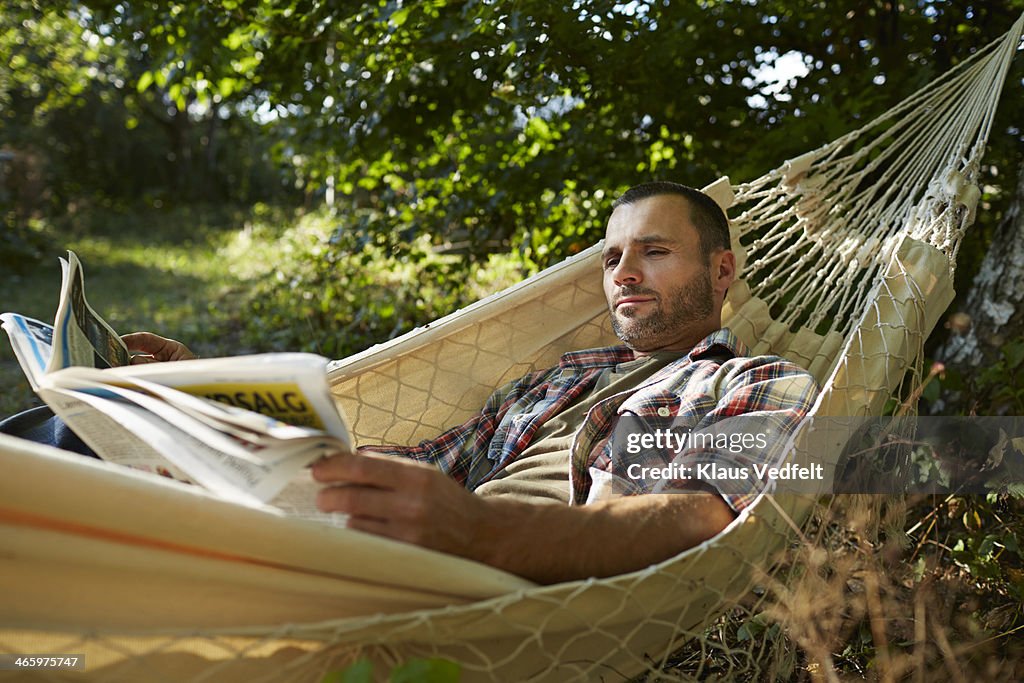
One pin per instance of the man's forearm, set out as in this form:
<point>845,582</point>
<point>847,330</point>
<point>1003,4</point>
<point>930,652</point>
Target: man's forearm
<point>415,503</point>
<point>550,543</point>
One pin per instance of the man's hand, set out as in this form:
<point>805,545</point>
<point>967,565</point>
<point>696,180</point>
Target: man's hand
<point>401,499</point>
<point>147,347</point>
<point>416,503</point>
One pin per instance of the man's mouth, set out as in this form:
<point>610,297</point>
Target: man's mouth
<point>633,301</point>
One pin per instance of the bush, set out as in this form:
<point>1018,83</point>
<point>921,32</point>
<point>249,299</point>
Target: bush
<point>21,243</point>
<point>335,292</point>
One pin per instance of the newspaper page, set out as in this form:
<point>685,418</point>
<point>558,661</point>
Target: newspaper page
<point>298,499</point>
<point>81,337</point>
<point>103,432</point>
<point>288,387</point>
<point>147,441</point>
<point>78,337</point>
<point>243,427</point>
<point>220,425</point>
<point>132,436</point>
<point>230,450</point>
<point>32,342</point>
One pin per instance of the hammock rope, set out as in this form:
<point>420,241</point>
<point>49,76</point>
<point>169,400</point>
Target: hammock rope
<point>847,256</point>
<point>920,157</point>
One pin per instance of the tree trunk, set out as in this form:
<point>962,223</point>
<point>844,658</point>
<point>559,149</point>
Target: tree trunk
<point>993,313</point>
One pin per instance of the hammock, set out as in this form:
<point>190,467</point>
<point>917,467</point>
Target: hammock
<point>847,252</point>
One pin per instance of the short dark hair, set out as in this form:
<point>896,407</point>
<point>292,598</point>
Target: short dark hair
<point>705,213</point>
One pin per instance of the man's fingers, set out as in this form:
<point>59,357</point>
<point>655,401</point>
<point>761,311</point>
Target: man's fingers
<point>157,347</point>
<point>343,468</point>
<point>362,502</point>
<point>372,470</point>
<point>403,500</point>
<point>388,513</point>
<point>375,502</point>
<point>146,342</point>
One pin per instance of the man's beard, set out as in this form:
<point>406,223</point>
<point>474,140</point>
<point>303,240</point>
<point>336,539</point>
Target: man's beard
<point>690,303</point>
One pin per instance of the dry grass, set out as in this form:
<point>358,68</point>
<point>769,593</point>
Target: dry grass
<point>873,590</point>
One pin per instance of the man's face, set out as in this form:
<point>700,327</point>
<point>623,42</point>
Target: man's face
<point>660,289</point>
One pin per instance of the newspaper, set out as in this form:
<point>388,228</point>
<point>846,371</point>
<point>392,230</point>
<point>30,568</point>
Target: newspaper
<point>78,335</point>
<point>244,428</point>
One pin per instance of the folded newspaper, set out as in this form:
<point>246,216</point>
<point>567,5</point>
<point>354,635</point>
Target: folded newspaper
<point>244,427</point>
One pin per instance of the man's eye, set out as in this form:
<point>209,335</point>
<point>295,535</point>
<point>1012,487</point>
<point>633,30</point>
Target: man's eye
<point>611,262</point>
<point>657,252</point>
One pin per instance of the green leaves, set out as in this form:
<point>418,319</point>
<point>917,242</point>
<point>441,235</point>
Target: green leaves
<point>485,124</point>
<point>145,80</point>
<point>359,672</point>
<point>426,671</point>
<point>414,671</point>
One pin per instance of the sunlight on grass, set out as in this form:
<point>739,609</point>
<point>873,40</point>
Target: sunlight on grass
<point>176,276</point>
<point>227,282</point>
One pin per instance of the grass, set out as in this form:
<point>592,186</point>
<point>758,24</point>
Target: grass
<point>227,282</point>
<point>874,589</point>
<point>181,273</point>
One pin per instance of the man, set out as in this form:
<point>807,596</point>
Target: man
<point>483,490</point>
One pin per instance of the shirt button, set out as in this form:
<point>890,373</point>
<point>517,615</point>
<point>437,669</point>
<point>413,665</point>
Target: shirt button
<point>664,411</point>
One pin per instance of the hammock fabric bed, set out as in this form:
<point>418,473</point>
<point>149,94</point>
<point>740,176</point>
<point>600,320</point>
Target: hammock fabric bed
<point>848,254</point>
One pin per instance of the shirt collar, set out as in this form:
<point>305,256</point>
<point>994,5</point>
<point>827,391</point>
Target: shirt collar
<point>597,358</point>
<point>720,339</point>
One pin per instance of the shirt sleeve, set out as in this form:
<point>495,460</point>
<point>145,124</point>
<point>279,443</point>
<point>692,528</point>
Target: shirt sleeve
<point>762,402</point>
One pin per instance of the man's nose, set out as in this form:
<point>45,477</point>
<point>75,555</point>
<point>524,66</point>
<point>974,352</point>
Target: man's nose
<point>627,271</point>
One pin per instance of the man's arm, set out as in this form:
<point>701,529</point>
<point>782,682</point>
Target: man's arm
<point>415,503</point>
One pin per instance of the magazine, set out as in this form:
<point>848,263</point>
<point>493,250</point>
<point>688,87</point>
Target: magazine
<point>245,427</point>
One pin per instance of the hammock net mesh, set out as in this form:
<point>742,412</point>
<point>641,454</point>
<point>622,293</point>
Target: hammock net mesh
<point>847,255</point>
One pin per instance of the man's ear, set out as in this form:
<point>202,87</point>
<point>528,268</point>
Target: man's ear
<point>723,270</point>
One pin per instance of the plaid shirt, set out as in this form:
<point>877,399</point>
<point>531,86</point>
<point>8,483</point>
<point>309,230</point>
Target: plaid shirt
<point>713,382</point>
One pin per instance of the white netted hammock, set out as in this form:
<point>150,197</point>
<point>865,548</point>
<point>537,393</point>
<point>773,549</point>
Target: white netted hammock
<point>847,252</point>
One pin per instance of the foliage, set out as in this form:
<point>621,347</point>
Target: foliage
<point>996,389</point>
<point>930,585</point>
<point>77,132</point>
<point>21,243</point>
<point>415,670</point>
<point>337,292</point>
<point>178,271</point>
<point>937,595</point>
<point>517,125</point>
<point>496,126</point>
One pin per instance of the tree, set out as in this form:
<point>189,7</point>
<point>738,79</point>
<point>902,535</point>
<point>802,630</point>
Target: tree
<point>75,100</point>
<point>515,124</point>
<point>985,344</point>
<point>482,124</point>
